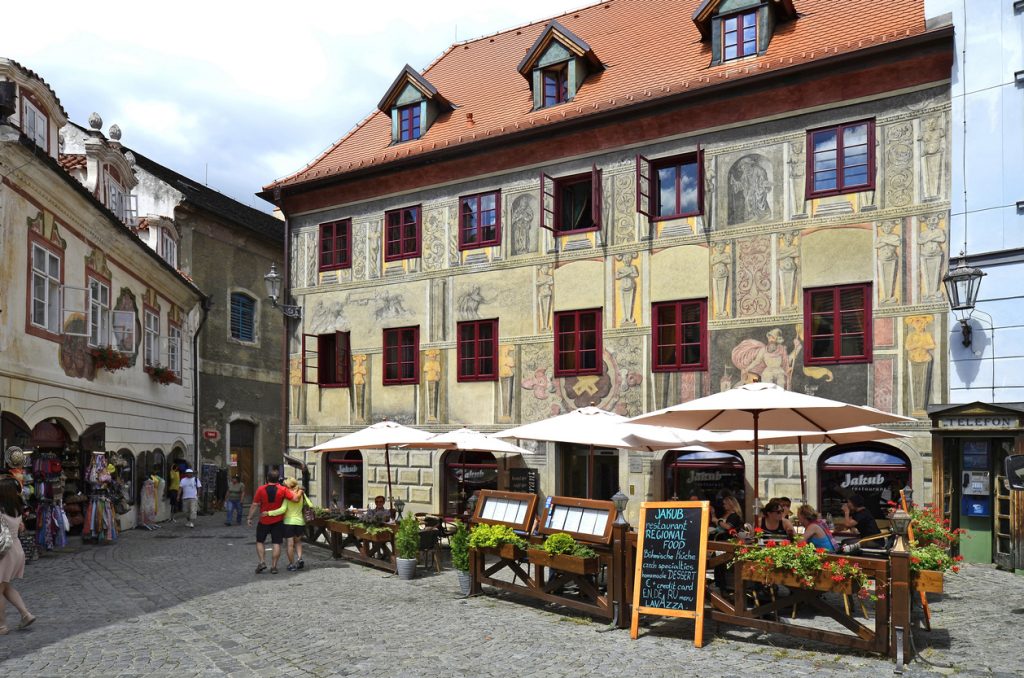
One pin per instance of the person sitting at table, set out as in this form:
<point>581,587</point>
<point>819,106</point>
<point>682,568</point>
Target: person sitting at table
<point>379,513</point>
<point>857,516</point>
<point>816,532</point>
<point>787,507</point>
<point>773,522</point>
<point>732,517</point>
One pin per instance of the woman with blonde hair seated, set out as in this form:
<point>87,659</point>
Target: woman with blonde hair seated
<point>294,523</point>
<point>816,532</point>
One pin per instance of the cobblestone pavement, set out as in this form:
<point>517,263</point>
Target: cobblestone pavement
<point>181,602</point>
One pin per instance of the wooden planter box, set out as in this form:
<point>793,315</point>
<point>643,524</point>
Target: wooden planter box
<point>378,537</point>
<point>336,526</point>
<point>317,522</point>
<point>506,551</point>
<point>565,563</point>
<point>790,580</point>
<point>927,581</point>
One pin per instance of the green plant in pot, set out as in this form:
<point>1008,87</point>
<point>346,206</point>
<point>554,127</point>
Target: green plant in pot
<point>460,556</point>
<point>562,552</point>
<point>494,537</point>
<point>407,546</point>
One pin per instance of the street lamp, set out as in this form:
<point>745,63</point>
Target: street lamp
<point>962,284</point>
<point>620,500</point>
<point>399,506</point>
<point>900,522</point>
<point>273,281</point>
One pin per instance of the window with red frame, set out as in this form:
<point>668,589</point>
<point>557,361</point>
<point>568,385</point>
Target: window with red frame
<point>679,331</point>
<point>409,122</point>
<point>578,343</point>
<point>402,233</point>
<point>739,35</point>
<point>837,324</point>
<point>401,355</point>
<point>575,199</point>
<point>477,349</point>
<point>677,187</point>
<point>480,220</point>
<point>336,245</point>
<point>556,85</point>
<point>841,159</point>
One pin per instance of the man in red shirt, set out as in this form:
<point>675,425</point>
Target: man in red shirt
<point>268,498</point>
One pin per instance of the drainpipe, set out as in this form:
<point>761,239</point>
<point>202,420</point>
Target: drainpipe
<point>205,304</point>
<point>285,298</point>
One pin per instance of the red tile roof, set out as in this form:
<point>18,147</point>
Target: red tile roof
<point>71,161</point>
<point>650,49</point>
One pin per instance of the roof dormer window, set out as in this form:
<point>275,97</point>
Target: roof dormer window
<point>35,125</point>
<point>739,35</point>
<point>740,28</point>
<point>413,105</point>
<point>557,65</point>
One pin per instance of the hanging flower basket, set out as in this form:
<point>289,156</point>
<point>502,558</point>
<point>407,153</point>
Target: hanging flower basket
<point>106,358</point>
<point>162,375</point>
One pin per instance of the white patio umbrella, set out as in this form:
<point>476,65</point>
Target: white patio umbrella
<point>752,406</point>
<point>383,435</point>
<point>468,440</point>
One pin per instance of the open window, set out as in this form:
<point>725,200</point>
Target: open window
<point>122,324</point>
<point>571,204</point>
<point>74,305</point>
<point>670,188</point>
<point>325,359</point>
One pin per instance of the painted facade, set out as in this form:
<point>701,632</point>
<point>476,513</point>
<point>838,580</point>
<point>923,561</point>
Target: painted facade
<point>757,245</point>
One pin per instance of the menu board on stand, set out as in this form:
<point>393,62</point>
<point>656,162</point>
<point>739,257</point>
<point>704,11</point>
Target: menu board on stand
<point>671,554</point>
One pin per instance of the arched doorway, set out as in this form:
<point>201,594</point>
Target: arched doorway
<point>343,481</point>
<point>704,473</point>
<point>874,471</point>
<point>241,456</point>
<point>124,461</point>
<point>14,431</point>
<point>465,472</point>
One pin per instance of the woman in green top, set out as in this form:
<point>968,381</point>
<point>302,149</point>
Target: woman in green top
<point>294,523</point>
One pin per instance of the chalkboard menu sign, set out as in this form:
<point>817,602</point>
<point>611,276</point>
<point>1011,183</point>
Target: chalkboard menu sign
<point>671,552</point>
<point>523,480</point>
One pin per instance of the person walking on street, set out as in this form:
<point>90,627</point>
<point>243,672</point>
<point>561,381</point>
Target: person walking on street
<point>174,489</point>
<point>190,495</point>
<point>233,499</point>
<point>267,498</point>
<point>294,523</point>
<point>12,562</point>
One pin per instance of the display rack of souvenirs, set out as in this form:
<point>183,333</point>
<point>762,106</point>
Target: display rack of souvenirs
<point>51,521</point>
<point>149,501</point>
<point>15,460</point>
<point>99,522</point>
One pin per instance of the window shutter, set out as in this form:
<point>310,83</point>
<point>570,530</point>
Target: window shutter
<point>122,324</point>
<point>701,177</point>
<point>74,301</point>
<point>547,197</point>
<point>643,186</point>
<point>595,195</point>
<point>341,369</point>
<point>309,359</point>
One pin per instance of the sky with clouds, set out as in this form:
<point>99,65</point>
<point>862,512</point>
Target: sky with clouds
<point>237,94</point>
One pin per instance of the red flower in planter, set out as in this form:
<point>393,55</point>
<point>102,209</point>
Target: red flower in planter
<point>770,543</point>
<point>758,530</point>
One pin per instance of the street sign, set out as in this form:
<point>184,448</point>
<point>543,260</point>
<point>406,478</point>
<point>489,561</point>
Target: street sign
<point>211,434</point>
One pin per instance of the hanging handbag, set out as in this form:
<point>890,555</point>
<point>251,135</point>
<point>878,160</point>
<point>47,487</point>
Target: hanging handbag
<point>6,538</point>
<point>308,514</point>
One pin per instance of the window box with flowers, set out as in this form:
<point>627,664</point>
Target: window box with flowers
<point>802,566</point>
<point>928,565</point>
<point>110,359</point>
<point>499,540</point>
<point>162,375</point>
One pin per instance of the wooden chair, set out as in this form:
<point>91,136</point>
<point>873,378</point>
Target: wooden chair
<point>430,548</point>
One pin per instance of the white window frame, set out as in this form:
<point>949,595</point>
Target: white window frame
<point>151,339</point>
<point>117,198</point>
<point>49,276</point>
<point>122,325</point>
<point>168,247</point>
<point>99,313</point>
<point>174,349</point>
<point>35,125</point>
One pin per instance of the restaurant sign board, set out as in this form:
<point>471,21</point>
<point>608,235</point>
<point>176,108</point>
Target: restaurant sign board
<point>671,554</point>
<point>980,421</point>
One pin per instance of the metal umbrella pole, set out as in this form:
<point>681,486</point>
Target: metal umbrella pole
<point>387,463</point>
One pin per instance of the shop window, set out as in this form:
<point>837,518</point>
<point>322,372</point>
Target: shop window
<point>343,482</point>
<point>704,475</point>
<point>46,282</point>
<point>480,220</point>
<point>876,472</point>
<point>99,313</point>
<point>679,339</point>
<point>402,233</point>
<point>578,343</point>
<point>35,125</point>
<point>587,472</point>
<point>409,122</point>
<point>401,355</point>
<point>326,359</point>
<point>478,350</point>
<point>739,35</point>
<point>465,473</point>
<point>243,317</point>
<point>151,339</point>
<point>336,245</point>
<point>841,159</point>
<point>837,324</point>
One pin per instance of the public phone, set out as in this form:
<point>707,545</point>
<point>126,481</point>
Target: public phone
<point>976,483</point>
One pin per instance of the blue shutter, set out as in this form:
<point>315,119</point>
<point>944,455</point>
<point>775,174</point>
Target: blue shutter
<point>243,317</point>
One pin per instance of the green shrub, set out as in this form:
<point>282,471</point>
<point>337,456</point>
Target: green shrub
<point>485,536</point>
<point>561,543</point>
<point>460,547</point>
<point>407,539</point>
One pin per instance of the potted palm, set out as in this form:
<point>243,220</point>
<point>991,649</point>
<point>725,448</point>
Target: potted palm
<point>561,552</point>
<point>460,556</point>
<point>407,546</point>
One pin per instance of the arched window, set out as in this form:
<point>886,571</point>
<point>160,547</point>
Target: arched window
<point>465,473</point>
<point>704,474</point>
<point>875,471</point>
<point>243,317</point>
